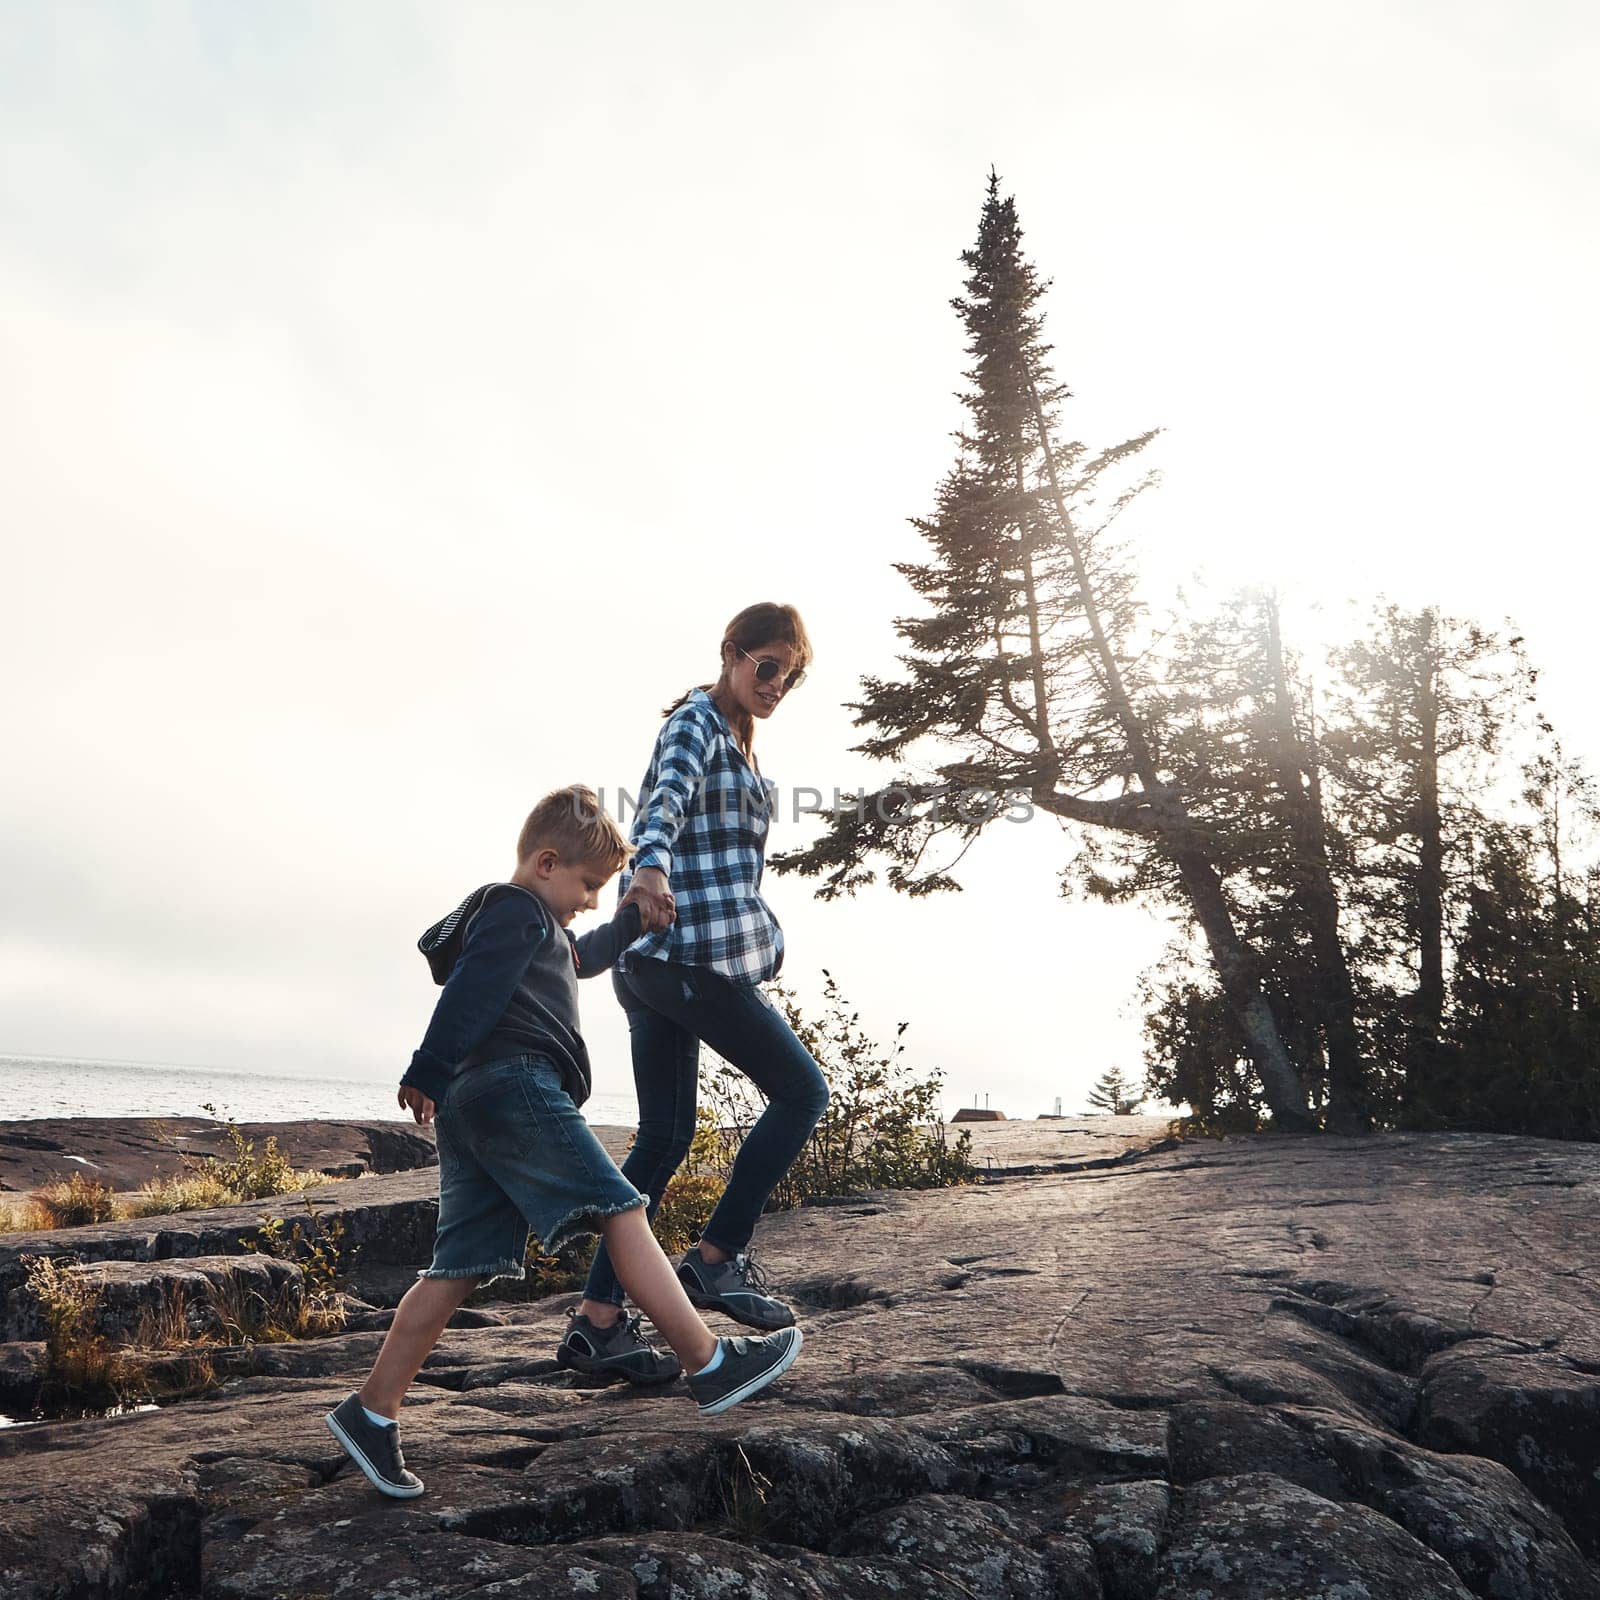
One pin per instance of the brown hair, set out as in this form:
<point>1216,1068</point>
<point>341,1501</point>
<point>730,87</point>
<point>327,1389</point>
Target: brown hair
<point>572,822</point>
<point>765,623</point>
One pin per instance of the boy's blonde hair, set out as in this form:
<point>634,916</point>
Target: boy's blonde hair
<point>572,822</point>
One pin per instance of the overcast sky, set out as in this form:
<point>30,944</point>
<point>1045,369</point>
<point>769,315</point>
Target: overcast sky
<point>397,400</point>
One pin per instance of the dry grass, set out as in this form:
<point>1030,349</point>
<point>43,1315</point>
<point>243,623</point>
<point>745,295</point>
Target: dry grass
<point>85,1368</point>
<point>74,1202</point>
<point>196,1190</point>
<point>174,1351</point>
<point>79,1201</point>
<point>18,1215</point>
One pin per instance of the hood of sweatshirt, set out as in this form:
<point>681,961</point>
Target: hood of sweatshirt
<point>442,943</point>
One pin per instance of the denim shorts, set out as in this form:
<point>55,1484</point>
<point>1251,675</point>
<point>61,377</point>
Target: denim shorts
<point>515,1156</point>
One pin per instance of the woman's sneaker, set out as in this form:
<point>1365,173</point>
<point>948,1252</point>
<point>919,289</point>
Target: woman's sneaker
<point>747,1365</point>
<point>375,1449</point>
<point>732,1287</point>
<point>619,1351</point>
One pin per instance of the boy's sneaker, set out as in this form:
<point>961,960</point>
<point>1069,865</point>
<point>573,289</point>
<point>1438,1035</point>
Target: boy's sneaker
<point>619,1351</point>
<point>746,1366</point>
<point>376,1450</point>
<point>732,1287</point>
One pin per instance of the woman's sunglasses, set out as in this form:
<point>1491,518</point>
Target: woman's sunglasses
<point>768,668</point>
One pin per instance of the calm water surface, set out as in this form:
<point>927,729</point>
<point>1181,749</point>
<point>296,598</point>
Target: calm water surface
<point>40,1086</point>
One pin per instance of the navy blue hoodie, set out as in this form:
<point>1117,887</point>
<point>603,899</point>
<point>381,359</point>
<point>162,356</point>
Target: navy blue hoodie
<point>510,974</point>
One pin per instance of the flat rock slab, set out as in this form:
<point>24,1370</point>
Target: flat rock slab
<point>127,1152</point>
<point>1357,1370</point>
<point>1064,1144</point>
<point>388,1219</point>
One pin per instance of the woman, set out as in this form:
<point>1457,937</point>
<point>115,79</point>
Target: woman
<point>700,837</point>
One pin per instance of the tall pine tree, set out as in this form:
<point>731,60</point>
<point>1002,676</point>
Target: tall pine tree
<point>1024,671</point>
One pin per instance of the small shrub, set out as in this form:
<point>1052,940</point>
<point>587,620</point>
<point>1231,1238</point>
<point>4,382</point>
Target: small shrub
<point>546,1274</point>
<point>249,1175</point>
<point>746,1496</point>
<point>317,1247</point>
<point>74,1203</point>
<point>685,1209</point>
<point>244,1316</point>
<point>883,1128</point>
<point>83,1368</point>
<point>242,1175</point>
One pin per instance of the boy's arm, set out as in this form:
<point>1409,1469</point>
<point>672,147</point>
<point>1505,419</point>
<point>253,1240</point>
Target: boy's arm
<point>686,750</point>
<point>600,947</point>
<point>498,946</point>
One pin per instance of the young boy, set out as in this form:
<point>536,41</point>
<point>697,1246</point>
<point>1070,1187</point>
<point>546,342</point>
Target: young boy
<point>501,1073</point>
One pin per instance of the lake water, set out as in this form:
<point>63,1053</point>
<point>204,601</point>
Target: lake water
<point>42,1086</point>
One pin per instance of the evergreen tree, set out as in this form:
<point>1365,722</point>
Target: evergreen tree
<point>1420,709</point>
<point>1421,842</point>
<point>1114,1094</point>
<point>1025,670</point>
<point>1240,744</point>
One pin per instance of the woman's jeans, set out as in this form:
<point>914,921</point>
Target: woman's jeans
<point>671,1008</point>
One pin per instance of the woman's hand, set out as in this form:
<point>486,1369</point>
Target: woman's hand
<point>652,894</point>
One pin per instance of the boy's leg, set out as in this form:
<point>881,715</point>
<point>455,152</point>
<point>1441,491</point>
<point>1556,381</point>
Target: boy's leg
<point>653,1285</point>
<point>364,1424</point>
<point>721,1372</point>
<point>666,1061</point>
<point>418,1322</point>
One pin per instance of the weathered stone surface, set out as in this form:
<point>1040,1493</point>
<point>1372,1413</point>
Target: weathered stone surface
<point>811,1476</point>
<point>193,1297</point>
<point>1534,1412</point>
<point>1070,1435</point>
<point>391,1551</point>
<point>1257,1536</point>
<point>104,1537</point>
<point>22,1369</point>
<point>1340,1368</point>
<point>125,1153</point>
<point>981,1546</point>
<point>1125,1526</point>
<point>388,1219</point>
<point>694,1566</point>
<point>1499,1539</point>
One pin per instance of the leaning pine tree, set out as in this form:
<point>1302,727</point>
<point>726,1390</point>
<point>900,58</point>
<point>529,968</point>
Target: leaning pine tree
<point>1024,671</point>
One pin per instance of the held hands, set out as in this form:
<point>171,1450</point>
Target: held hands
<point>417,1103</point>
<point>651,893</point>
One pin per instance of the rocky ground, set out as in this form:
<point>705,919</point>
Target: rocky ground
<point>127,1152</point>
<point>1342,1369</point>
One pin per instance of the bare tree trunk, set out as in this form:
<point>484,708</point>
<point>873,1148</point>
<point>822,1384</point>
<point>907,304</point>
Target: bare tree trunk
<point>1428,1004</point>
<point>1308,833</point>
<point>1236,969</point>
<point>1232,958</point>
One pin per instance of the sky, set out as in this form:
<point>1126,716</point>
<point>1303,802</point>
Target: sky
<point>398,400</point>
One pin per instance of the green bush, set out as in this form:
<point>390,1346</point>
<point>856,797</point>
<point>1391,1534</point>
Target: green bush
<point>685,1208</point>
<point>883,1128</point>
<point>317,1246</point>
<point>249,1175</point>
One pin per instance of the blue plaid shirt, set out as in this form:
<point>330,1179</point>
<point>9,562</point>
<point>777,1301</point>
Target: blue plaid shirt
<point>703,819</point>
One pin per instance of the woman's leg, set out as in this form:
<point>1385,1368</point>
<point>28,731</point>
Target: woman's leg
<point>743,1027</point>
<point>666,1059</point>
